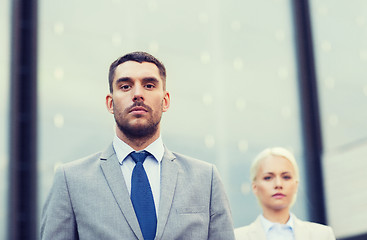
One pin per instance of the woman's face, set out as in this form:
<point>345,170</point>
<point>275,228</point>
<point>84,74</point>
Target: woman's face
<point>275,185</point>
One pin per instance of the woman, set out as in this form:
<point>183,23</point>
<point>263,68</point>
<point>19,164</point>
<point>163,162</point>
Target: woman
<point>275,177</point>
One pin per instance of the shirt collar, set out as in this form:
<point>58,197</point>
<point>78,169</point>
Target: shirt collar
<point>122,149</point>
<point>268,224</point>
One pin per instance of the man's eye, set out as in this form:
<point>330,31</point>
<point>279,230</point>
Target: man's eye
<point>149,86</point>
<point>125,87</point>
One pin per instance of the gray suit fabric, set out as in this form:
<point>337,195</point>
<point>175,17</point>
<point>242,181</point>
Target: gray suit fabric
<point>89,200</point>
<point>303,230</point>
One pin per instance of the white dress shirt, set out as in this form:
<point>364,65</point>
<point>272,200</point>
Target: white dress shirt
<point>277,231</point>
<point>152,165</point>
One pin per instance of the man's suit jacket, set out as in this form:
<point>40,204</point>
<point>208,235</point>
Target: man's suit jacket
<point>303,230</point>
<point>89,200</point>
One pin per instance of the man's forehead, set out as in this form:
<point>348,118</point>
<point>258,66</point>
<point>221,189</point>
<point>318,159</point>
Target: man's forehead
<point>135,64</point>
<point>133,68</point>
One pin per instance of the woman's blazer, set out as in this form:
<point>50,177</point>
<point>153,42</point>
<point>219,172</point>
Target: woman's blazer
<point>303,230</point>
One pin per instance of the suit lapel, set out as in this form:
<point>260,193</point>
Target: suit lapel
<point>112,172</point>
<point>169,172</point>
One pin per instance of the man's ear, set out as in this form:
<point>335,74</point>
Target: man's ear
<point>109,103</point>
<point>166,101</point>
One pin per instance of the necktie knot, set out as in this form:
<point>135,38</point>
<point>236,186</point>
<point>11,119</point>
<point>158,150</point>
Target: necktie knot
<point>139,156</point>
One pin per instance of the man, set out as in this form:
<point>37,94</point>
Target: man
<point>137,188</point>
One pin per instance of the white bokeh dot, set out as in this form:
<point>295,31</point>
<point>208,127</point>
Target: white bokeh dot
<point>238,64</point>
<point>59,28</point>
<point>240,104</point>
<point>59,120</point>
<point>59,73</point>
<point>365,90</point>
<point>361,21</point>
<point>329,82</point>
<point>205,57</point>
<point>245,188</point>
<point>363,55</point>
<point>243,146</point>
<point>153,47</point>
<point>152,5</point>
<point>326,46</point>
<point>209,141</point>
<point>283,73</point>
<point>322,10</point>
<point>3,163</point>
<point>203,17</point>
<point>207,99</point>
<point>236,26</point>
<point>116,39</point>
<point>333,120</point>
<point>280,35</point>
<point>286,112</point>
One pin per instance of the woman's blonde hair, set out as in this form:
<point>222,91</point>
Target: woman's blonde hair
<point>275,151</point>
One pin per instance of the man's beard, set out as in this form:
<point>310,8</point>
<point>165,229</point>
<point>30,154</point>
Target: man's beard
<point>138,132</point>
<point>143,131</point>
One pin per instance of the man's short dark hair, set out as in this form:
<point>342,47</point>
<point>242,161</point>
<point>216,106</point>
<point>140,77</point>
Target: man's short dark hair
<point>137,57</point>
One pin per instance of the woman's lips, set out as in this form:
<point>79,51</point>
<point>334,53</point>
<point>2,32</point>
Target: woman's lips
<point>278,195</point>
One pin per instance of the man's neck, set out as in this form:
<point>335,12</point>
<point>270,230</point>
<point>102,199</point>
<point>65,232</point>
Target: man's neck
<point>138,143</point>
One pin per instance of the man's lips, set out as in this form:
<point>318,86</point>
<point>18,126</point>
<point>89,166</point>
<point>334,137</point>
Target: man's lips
<point>138,110</point>
<point>278,195</point>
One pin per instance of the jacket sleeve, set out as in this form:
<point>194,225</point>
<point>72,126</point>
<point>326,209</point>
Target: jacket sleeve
<point>58,220</point>
<point>221,225</point>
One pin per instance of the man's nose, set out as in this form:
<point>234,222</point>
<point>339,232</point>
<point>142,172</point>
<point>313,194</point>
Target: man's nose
<point>138,92</point>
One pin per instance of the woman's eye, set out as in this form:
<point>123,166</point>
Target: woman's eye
<point>267,178</point>
<point>287,177</point>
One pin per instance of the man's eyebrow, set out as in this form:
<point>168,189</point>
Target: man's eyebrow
<point>150,79</point>
<point>123,79</point>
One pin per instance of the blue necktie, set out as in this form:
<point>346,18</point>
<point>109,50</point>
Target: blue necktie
<point>142,197</point>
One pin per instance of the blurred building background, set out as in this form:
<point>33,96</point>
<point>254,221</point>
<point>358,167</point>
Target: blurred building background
<point>236,82</point>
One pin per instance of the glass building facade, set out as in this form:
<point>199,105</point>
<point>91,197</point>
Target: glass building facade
<point>233,78</point>
<point>340,39</point>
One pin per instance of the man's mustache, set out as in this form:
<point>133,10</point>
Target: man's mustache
<point>140,104</point>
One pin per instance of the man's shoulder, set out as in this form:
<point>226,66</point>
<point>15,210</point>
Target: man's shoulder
<point>184,159</point>
<point>83,160</point>
<point>90,160</point>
